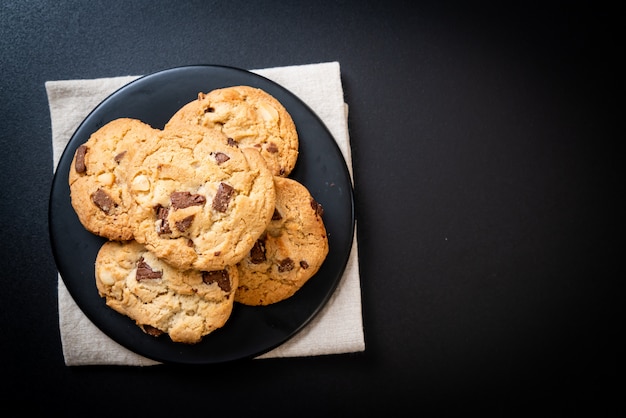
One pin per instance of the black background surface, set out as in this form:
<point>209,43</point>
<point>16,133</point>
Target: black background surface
<point>485,145</point>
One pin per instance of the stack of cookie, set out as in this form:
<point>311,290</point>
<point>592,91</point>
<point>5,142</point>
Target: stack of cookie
<point>198,215</point>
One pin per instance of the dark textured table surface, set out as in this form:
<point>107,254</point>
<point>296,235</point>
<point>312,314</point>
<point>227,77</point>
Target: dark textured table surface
<point>486,186</point>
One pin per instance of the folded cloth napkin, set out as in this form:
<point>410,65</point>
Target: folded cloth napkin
<point>337,329</point>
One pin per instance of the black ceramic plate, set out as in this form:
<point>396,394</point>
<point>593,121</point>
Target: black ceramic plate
<point>250,331</point>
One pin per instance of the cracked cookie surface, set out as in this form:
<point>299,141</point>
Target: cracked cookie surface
<point>185,304</point>
<point>199,200</point>
<point>290,251</point>
<point>252,118</point>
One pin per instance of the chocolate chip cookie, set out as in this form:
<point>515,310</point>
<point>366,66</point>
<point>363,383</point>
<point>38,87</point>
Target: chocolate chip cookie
<point>199,201</point>
<point>290,251</point>
<point>250,117</point>
<point>98,188</point>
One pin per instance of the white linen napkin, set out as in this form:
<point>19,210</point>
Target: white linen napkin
<point>337,329</point>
